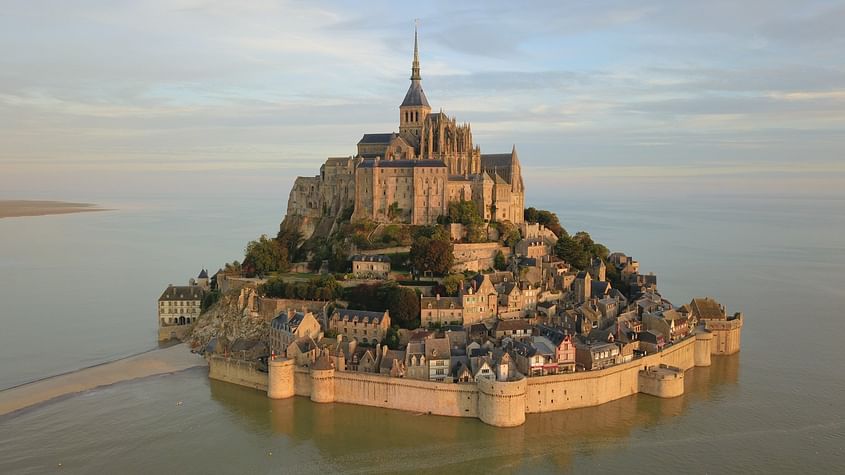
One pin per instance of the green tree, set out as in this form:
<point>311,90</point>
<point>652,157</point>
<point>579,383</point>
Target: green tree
<point>432,254</point>
<point>403,304</point>
<point>464,212</point>
<point>571,251</point>
<point>265,255</point>
<point>290,239</point>
<point>476,232</point>
<point>499,262</point>
<point>531,215</point>
<point>452,284</point>
<point>391,338</point>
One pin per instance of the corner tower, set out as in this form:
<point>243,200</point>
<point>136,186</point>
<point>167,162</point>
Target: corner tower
<point>414,108</point>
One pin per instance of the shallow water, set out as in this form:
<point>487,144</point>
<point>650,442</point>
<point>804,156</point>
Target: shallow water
<point>80,289</point>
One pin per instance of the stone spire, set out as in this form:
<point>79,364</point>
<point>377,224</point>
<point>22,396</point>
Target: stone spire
<point>415,66</point>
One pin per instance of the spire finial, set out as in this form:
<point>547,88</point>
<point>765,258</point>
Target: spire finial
<point>415,67</point>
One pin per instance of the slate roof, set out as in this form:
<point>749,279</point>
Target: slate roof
<point>437,349</point>
<point>305,344</point>
<point>203,274</point>
<point>415,95</point>
<point>442,303</point>
<point>403,164</point>
<point>375,317</point>
<point>599,288</point>
<point>371,258</point>
<point>181,292</point>
<point>707,308</point>
<point>323,362</point>
<point>377,138</point>
<point>504,325</point>
<point>495,160</point>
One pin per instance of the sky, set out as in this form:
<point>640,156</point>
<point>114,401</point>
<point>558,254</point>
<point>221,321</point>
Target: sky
<point>103,97</point>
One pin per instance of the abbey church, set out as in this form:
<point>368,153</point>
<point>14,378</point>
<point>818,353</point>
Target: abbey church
<point>412,175</point>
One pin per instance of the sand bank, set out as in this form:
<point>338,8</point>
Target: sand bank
<point>167,360</point>
<point>20,208</point>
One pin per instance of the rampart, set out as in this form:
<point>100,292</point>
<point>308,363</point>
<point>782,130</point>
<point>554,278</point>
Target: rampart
<point>236,371</point>
<point>498,403</point>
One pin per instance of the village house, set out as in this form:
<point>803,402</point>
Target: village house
<point>512,328</point>
<point>460,369</point>
<point>598,269</point>
<point>439,310</point>
<point>289,326</point>
<point>438,356</point>
<point>479,299</point>
<point>180,304</point>
<point>362,325</point>
<point>564,348</point>
<point>595,356</point>
<point>482,366</point>
<point>370,266</point>
<point>416,366</point>
<point>678,323</point>
<point>533,248</point>
<point>582,287</point>
<point>364,360</point>
<point>392,362</point>
<point>651,341</point>
<point>303,351</point>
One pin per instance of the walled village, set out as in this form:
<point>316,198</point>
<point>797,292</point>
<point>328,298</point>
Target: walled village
<point>411,276</point>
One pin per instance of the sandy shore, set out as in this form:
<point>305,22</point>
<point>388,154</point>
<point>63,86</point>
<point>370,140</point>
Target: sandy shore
<point>20,208</point>
<point>167,360</point>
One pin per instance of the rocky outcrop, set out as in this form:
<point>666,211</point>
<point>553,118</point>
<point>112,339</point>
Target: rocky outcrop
<point>230,319</point>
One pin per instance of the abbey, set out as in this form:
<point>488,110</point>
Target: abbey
<point>412,175</point>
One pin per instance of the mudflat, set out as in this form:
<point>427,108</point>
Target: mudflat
<point>20,208</point>
<point>155,362</point>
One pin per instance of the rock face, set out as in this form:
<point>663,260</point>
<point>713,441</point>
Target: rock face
<point>230,319</point>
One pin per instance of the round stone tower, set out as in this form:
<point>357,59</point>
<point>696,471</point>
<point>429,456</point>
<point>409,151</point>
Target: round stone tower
<point>280,378</point>
<point>703,343</point>
<point>501,403</point>
<point>322,380</point>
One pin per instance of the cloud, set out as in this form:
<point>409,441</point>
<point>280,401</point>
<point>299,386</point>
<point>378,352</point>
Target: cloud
<point>225,84</point>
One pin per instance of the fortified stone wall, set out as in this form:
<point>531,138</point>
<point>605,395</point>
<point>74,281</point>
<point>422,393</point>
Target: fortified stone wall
<point>238,372</point>
<point>444,399</point>
<point>726,335</point>
<point>173,332</point>
<point>477,256</point>
<point>502,404</point>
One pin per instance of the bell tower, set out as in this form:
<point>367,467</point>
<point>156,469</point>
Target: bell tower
<point>414,108</point>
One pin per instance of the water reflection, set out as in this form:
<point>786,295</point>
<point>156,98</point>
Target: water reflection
<point>355,437</point>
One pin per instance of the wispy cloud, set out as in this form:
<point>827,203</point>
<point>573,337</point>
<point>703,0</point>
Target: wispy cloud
<point>223,84</point>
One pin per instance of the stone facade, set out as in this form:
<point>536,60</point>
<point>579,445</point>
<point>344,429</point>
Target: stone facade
<point>410,176</point>
<point>364,326</point>
<point>178,307</point>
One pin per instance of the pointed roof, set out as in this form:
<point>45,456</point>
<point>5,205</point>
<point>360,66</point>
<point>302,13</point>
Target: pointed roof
<point>415,95</point>
<point>203,274</point>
